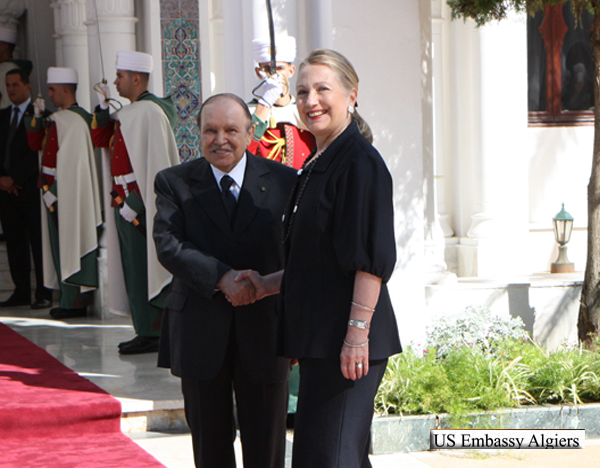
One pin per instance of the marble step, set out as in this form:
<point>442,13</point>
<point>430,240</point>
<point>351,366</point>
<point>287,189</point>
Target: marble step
<point>148,415</point>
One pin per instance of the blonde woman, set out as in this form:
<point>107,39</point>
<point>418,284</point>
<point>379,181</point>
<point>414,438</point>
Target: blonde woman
<point>336,317</point>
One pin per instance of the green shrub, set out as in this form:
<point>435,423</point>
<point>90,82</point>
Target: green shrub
<point>476,327</point>
<point>465,380</point>
<point>490,372</point>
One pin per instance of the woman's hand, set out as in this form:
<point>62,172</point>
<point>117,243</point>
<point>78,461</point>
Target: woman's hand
<point>256,280</point>
<point>355,351</point>
<point>354,357</point>
<point>264,285</point>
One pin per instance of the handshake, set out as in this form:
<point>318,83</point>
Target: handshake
<point>243,287</point>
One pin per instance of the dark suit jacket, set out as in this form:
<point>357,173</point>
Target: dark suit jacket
<point>24,163</point>
<point>196,244</point>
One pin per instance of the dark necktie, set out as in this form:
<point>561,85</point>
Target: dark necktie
<point>228,198</point>
<point>11,133</point>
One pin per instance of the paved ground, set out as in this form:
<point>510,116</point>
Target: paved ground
<point>174,451</point>
<point>89,347</point>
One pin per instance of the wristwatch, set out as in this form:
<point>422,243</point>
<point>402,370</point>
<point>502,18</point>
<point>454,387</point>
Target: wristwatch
<point>362,324</point>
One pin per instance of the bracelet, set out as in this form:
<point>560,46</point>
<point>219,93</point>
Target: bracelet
<point>362,324</point>
<point>362,306</point>
<point>361,345</point>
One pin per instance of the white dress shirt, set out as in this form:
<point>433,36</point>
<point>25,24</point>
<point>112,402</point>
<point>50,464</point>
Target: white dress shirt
<point>237,174</point>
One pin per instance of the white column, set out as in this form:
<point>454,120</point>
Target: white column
<point>439,110</point>
<point>232,25</point>
<point>9,12</point>
<point>237,47</point>
<point>152,44</point>
<point>285,18</point>
<point>435,264</point>
<point>58,46</point>
<point>495,244</point>
<point>320,24</point>
<point>211,47</point>
<point>71,43</point>
<point>116,23</point>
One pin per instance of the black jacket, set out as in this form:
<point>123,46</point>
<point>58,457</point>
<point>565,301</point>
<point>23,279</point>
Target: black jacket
<point>195,242</point>
<point>344,223</point>
<point>24,163</point>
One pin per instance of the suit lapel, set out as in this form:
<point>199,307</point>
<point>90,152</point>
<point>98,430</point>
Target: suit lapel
<point>253,194</point>
<point>21,126</point>
<point>11,135</point>
<point>208,195</point>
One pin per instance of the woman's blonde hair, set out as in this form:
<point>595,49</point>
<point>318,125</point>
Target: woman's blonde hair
<point>346,76</point>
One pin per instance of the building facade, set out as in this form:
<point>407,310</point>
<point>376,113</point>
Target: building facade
<point>476,186</point>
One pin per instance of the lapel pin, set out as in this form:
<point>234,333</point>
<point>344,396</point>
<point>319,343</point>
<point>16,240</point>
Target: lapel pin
<point>263,189</point>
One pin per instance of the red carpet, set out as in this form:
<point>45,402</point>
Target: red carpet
<point>50,417</point>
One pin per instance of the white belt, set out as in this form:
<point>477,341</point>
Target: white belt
<point>123,180</point>
<point>51,171</point>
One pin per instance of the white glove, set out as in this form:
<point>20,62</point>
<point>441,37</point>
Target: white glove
<point>39,106</point>
<point>49,198</point>
<point>102,92</point>
<point>128,213</point>
<point>271,90</point>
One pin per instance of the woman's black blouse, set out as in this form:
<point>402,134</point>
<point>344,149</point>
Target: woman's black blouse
<point>344,223</point>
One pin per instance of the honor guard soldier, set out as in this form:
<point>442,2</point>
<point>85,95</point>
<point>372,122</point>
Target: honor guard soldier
<point>279,134</point>
<point>71,212</point>
<point>141,142</point>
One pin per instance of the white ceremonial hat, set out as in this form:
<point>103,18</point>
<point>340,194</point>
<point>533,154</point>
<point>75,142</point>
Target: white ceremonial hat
<point>285,49</point>
<point>134,61</point>
<point>8,35</point>
<point>62,75</point>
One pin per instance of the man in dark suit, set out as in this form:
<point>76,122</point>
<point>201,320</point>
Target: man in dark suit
<point>20,211</point>
<point>217,215</point>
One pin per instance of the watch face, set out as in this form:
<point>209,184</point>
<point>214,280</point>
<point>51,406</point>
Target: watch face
<point>359,324</point>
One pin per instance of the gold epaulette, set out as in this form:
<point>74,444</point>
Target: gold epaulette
<point>278,145</point>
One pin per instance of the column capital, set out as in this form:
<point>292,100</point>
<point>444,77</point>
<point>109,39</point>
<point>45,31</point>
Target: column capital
<point>110,8</point>
<point>10,10</point>
<point>69,16</point>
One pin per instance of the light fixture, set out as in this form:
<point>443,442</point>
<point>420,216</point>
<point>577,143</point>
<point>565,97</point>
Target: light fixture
<point>563,226</point>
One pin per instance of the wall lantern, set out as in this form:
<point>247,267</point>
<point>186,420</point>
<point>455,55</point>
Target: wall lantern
<point>563,226</point>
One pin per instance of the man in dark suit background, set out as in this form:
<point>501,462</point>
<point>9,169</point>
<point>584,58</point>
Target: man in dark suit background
<point>20,211</point>
<point>217,215</point>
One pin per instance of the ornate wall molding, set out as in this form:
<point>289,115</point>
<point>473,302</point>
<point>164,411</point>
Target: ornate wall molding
<point>69,16</point>
<point>10,10</point>
<point>110,8</point>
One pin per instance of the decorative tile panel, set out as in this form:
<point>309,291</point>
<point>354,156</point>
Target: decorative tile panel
<point>181,67</point>
<point>189,9</point>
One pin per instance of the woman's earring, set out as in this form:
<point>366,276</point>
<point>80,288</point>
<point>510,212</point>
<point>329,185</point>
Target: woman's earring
<point>350,108</point>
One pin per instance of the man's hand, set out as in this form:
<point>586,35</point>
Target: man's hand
<point>102,92</point>
<point>6,183</point>
<point>237,292</point>
<point>258,282</point>
<point>271,90</point>
<point>39,105</point>
<point>128,213</point>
